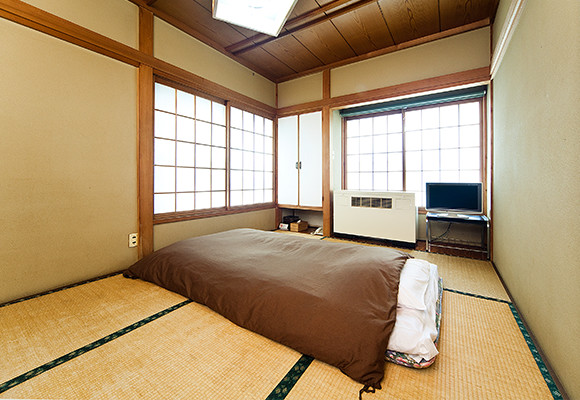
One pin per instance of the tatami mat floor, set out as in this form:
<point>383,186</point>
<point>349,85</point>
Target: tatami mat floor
<point>117,338</point>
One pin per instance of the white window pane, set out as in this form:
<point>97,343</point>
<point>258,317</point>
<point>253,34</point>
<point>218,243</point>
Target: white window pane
<point>353,145</point>
<point>380,162</point>
<point>395,181</point>
<point>259,162</point>
<point>236,198</point>
<point>236,177</point>
<point>449,116</point>
<point>268,145</point>
<point>395,161</point>
<point>248,180</point>
<point>163,203</point>
<point>248,141</point>
<point>469,113</point>
<point>449,159</point>
<point>366,126</point>
<point>164,179</point>
<point>186,129</point>
<point>248,160</point>
<point>366,144</point>
<point>218,179</point>
<point>185,180</point>
<point>469,158</point>
<point>380,181</point>
<point>185,202</point>
<point>414,182</point>
<point>185,154</point>
<point>203,109</point>
<point>202,156</point>
<point>258,196</point>
<point>395,142</point>
<point>413,140</point>
<point>269,163</point>
<point>202,201</point>
<point>430,176</point>
<point>218,199</point>
<point>430,139</point>
<point>259,143</point>
<point>218,135</point>
<point>258,124</point>
<point>469,136</point>
<point>248,121</point>
<point>380,144</point>
<point>218,115</point>
<point>380,125</point>
<point>185,104</point>
<point>218,157</point>
<point>396,123</point>
<point>366,181</point>
<point>268,127</point>
<point>430,118</point>
<point>236,159</point>
<point>268,196</point>
<point>449,138</point>
<point>413,120</point>
<point>248,197</point>
<point>202,132</point>
<point>164,98</point>
<point>259,180</point>
<point>164,152</point>
<point>202,179</point>
<point>450,176</point>
<point>469,176</point>
<point>236,118</point>
<point>236,139</point>
<point>268,180</point>
<point>431,160</point>
<point>352,181</point>
<point>353,163</point>
<point>366,162</point>
<point>164,125</point>
<point>413,160</point>
<point>352,128</point>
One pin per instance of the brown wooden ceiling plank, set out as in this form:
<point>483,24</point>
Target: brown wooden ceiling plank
<point>410,20</point>
<point>460,12</point>
<point>391,49</point>
<point>249,43</point>
<point>269,63</point>
<point>325,42</point>
<point>292,53</point>
<point>364,29</point>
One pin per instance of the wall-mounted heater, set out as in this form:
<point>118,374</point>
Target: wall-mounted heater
<point>383,215</point>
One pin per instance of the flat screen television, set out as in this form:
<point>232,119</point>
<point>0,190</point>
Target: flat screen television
<point>454,198</point>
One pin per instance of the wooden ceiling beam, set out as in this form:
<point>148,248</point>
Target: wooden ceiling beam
<point>323,14</point>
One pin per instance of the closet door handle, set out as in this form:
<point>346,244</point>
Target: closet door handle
<point>298,164</point>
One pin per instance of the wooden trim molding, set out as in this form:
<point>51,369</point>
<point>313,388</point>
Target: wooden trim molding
<point>505,36</point>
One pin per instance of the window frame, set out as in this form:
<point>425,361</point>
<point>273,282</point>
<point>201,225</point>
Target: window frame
<point>174,216</point>
<point>482,141</point>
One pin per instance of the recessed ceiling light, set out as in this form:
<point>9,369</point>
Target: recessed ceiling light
<point>265,16</point>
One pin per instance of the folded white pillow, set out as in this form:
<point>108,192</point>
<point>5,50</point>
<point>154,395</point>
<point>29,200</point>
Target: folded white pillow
<point>413,284</point>
<point>415,328</point>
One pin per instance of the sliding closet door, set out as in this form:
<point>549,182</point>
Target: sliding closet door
<point>310,150</point>
<point>288,160</point>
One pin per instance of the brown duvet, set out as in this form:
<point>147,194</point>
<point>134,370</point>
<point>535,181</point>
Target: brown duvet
<point>333,301</point>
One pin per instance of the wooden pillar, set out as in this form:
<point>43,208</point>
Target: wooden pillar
<point>326,159</point>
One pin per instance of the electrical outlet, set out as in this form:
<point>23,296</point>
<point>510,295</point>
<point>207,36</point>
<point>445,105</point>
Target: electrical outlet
<point>133,239</point>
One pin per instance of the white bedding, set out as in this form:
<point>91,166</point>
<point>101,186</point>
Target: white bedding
<point>415,328</point>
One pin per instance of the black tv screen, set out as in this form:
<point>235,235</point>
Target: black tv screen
<point>454,197</point>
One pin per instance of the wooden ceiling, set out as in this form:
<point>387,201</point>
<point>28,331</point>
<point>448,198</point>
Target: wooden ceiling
<point>327,33</point>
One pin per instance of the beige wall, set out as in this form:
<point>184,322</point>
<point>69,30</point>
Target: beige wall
<point>536,181</point>
<point>118,20</point>
<point>165,234</point>
<point>300,90</point>
<point>68,159</point>
<point>182,50</point>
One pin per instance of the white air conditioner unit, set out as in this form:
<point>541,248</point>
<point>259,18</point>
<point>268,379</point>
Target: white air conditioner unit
<point>383,215</point>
